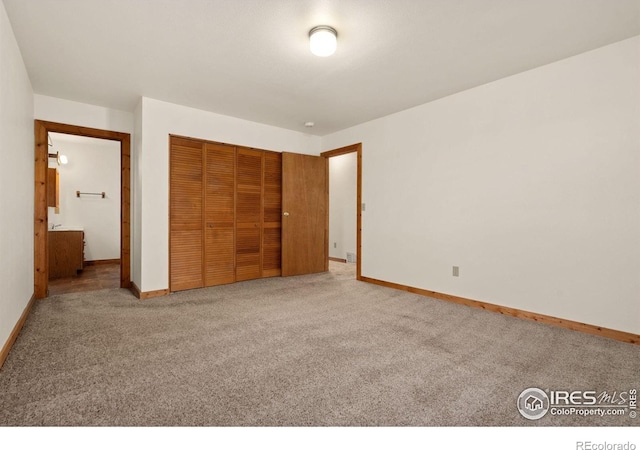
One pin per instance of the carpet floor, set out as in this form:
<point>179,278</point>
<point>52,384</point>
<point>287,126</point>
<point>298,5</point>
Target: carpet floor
<point>313,350</point>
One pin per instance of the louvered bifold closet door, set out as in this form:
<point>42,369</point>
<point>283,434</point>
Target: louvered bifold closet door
<point>272,214</point>
<point>248,213</point>
<point>185,214</point>
<point>219,220</point>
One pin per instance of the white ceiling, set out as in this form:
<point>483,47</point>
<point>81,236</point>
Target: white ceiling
<point>250,58</point>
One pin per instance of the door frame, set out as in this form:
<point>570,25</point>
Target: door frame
<point>354,148</point>
<point>41,214</point>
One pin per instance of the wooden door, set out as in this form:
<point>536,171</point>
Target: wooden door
<point>219,214</point>
<point>272,214</point>
<point>304,221</point>
<point>248,213</point>
<point>185,214</point>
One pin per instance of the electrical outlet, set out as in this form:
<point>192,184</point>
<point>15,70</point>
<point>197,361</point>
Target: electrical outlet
<point>456,271</point>
<point>335,245</point>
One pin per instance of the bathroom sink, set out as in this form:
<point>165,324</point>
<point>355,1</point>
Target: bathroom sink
<point>63,228</point>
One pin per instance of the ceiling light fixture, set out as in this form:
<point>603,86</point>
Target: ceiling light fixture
<point>323,40</point>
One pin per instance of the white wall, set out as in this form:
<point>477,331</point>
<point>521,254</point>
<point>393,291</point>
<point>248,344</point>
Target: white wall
<point>69,112</point>
<point>136,197</point>
<point>159,120</point>
<point>16,181</point>
<point>74,113</point>
<point>342,205</point>
<point>94,166</point>
<point>531,184</point>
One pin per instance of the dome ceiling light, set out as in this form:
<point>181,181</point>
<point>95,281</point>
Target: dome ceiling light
<point>323,40</point>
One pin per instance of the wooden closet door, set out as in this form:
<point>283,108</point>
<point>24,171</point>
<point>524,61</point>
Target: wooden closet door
<point>272,214</point>
<point>248,213</point>
<point>185,214</point>
<point>219,214</point>
<point>305,196</point>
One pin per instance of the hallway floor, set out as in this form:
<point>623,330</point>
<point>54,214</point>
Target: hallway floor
<point>92,278</point>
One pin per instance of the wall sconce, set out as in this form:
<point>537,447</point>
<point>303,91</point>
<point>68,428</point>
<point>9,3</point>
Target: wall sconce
<point>60,159</point>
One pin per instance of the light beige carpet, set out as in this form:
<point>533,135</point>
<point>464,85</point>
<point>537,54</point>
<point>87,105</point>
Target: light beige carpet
<point>319,349</point>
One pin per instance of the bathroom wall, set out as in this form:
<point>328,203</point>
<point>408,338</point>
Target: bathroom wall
<point>94,166</point>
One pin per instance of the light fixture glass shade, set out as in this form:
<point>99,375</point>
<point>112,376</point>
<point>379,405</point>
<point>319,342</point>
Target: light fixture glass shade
<point>323,40</point>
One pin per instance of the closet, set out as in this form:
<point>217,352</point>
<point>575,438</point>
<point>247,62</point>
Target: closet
<point>225,213</point>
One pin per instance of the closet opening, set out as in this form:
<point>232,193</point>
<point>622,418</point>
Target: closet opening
<point>225,204</point>
<point>239,213</point>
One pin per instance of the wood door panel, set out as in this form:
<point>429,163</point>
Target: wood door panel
<point>219,256</point>
<point>272,215</point>
<point>271,250</point>
<point>186,214</point>
<point>219,220</point>
<point>249,214</point>
<point>247,252</point>
<point>272,212</point>
<point>249,169</point>
<point>304,199</point>
<point>220,183</point>
<point>272,188</point>
<point>272,236</point>
<point>247,240</point>
<point>186,259</point>
<point>248,267</point>
<point>186,186</point>
<point>248,207</point>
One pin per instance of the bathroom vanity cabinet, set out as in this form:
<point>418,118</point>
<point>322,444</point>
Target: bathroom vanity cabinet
<point>66,253</point>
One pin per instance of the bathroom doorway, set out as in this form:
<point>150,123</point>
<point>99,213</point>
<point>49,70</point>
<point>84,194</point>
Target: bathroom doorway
<point>84,213</point>
<point>43,187</point>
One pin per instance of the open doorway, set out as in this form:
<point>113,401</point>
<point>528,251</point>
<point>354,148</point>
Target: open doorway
<point>84,214</point>
<point>45,184</point>
<point>345,208</point>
